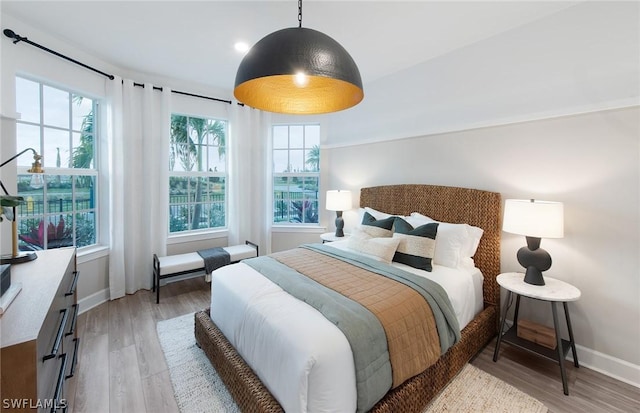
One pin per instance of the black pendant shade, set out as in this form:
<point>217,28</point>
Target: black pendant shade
<point>298,71</point>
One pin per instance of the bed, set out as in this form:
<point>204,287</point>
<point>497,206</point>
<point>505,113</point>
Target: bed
<point>447,204</point>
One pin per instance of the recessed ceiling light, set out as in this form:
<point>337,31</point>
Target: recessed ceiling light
<point>242,47</point>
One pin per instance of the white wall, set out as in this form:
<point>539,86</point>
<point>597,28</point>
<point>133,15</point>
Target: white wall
<point>583,58</point>
<point>591,162</point>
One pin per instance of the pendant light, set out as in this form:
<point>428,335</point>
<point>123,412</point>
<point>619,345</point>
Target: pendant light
<point>298,71</point>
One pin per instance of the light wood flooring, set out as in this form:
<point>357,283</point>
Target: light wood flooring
<point>122,369</point>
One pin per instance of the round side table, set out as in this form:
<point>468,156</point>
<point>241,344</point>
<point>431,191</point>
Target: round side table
<point>554,291</point>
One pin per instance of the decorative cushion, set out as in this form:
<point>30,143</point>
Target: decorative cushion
<point>455,243</point>
<point>417,245</point>
<point>382,249</point>
<point>377,227</point>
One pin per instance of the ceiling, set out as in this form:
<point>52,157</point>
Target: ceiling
<point>194,41</point>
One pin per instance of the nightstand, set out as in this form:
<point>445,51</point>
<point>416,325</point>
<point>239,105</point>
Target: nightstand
<point>554,291</point>
<point>331,236</point>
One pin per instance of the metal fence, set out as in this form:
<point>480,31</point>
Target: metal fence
<point>37,207</point>
<point>294,207</point>
<point>189,199</point>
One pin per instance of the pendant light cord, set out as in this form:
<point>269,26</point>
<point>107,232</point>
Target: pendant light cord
<point>300,13</point>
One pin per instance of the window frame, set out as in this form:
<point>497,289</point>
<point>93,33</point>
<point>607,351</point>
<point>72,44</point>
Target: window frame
<point>52,171</point>
<point>189,233</point>
<point>303,175</point>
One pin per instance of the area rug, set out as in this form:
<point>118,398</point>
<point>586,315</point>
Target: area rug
<point>198,389</point>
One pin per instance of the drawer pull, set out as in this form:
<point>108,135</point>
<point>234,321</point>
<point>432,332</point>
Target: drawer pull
<point>56,344</point>
<point>72,290</point>
<point>59,384</point>
<point>74,361</point>
<point>72,329</point>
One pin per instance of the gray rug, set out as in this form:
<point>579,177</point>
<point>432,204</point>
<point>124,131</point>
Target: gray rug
<point>198,389</point>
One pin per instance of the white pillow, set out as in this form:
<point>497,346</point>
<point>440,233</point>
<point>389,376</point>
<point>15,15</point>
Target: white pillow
<point>454,242</point>
<point>382,249</point>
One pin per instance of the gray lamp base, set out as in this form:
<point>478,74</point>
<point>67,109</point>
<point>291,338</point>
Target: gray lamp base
<point>535,260</point>
<point>339,224</point>
<point>533,276</point>
<point>19,259</point>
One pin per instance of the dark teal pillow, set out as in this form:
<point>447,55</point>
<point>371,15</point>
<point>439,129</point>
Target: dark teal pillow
<point>377,227</point>
<point>417,245</point>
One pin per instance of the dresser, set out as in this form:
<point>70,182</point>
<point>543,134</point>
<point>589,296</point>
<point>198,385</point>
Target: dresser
<point>38,334</point>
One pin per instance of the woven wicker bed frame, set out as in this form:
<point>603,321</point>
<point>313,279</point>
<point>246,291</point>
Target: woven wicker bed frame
<point>450,204</point>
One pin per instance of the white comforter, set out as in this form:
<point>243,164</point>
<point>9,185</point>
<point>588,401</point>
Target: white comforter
<point>304,360</point>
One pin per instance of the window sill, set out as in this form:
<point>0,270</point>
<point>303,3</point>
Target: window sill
<point>91,253</point>
<point>313,229</point>
<point>197,236</point>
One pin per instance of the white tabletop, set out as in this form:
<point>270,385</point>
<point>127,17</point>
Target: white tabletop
<point>553,290</point>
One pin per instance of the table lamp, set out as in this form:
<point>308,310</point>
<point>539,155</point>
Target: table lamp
<point>535,220</point>
<point>339,201</point>
<point>36,182</point>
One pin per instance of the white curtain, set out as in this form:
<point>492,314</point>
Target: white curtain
<point>138,142</point>
<point>249,175</point>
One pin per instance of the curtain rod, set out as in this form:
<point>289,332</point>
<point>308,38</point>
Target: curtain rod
<point>186,93</point>
<point>17,38</point>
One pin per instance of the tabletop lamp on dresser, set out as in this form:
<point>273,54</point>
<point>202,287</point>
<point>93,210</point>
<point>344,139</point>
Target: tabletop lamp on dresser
<point>534,219</point>
<point>37,182</point>
<point>9,205</point>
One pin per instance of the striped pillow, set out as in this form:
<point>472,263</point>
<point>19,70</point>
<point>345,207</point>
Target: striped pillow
<point>417,245</point>
<point>377,227</point>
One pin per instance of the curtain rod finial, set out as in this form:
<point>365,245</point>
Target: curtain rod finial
<point>13,35</point>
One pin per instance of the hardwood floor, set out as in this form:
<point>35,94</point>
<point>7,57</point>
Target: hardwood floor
<point>122,367</point>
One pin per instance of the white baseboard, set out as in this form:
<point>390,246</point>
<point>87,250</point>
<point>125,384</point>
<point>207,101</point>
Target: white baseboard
<point>93,300</point>
<point>602,363</point>
<point>608,365</point>
<point>103,296</point>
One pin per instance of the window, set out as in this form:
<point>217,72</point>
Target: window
<point>62,127</point>
<point>296,173</point>
<point>197,174</point>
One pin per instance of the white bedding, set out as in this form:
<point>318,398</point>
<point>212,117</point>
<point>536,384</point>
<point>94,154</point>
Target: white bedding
<point>304,360</point>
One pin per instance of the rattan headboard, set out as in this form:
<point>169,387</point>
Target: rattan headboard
<point>450,204</point>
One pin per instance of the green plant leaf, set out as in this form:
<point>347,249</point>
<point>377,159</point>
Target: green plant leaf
<point>10,200</point>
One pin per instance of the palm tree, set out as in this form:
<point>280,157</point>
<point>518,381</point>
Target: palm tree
<point>313,159</point>
<point>83,153</point>
<point>182,147</point>
<point>187,138</point>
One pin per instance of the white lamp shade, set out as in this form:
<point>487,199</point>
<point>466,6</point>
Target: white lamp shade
<point>338,200</point>
<point>533,218</point>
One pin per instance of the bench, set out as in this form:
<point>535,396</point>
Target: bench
<point>192,262</point>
